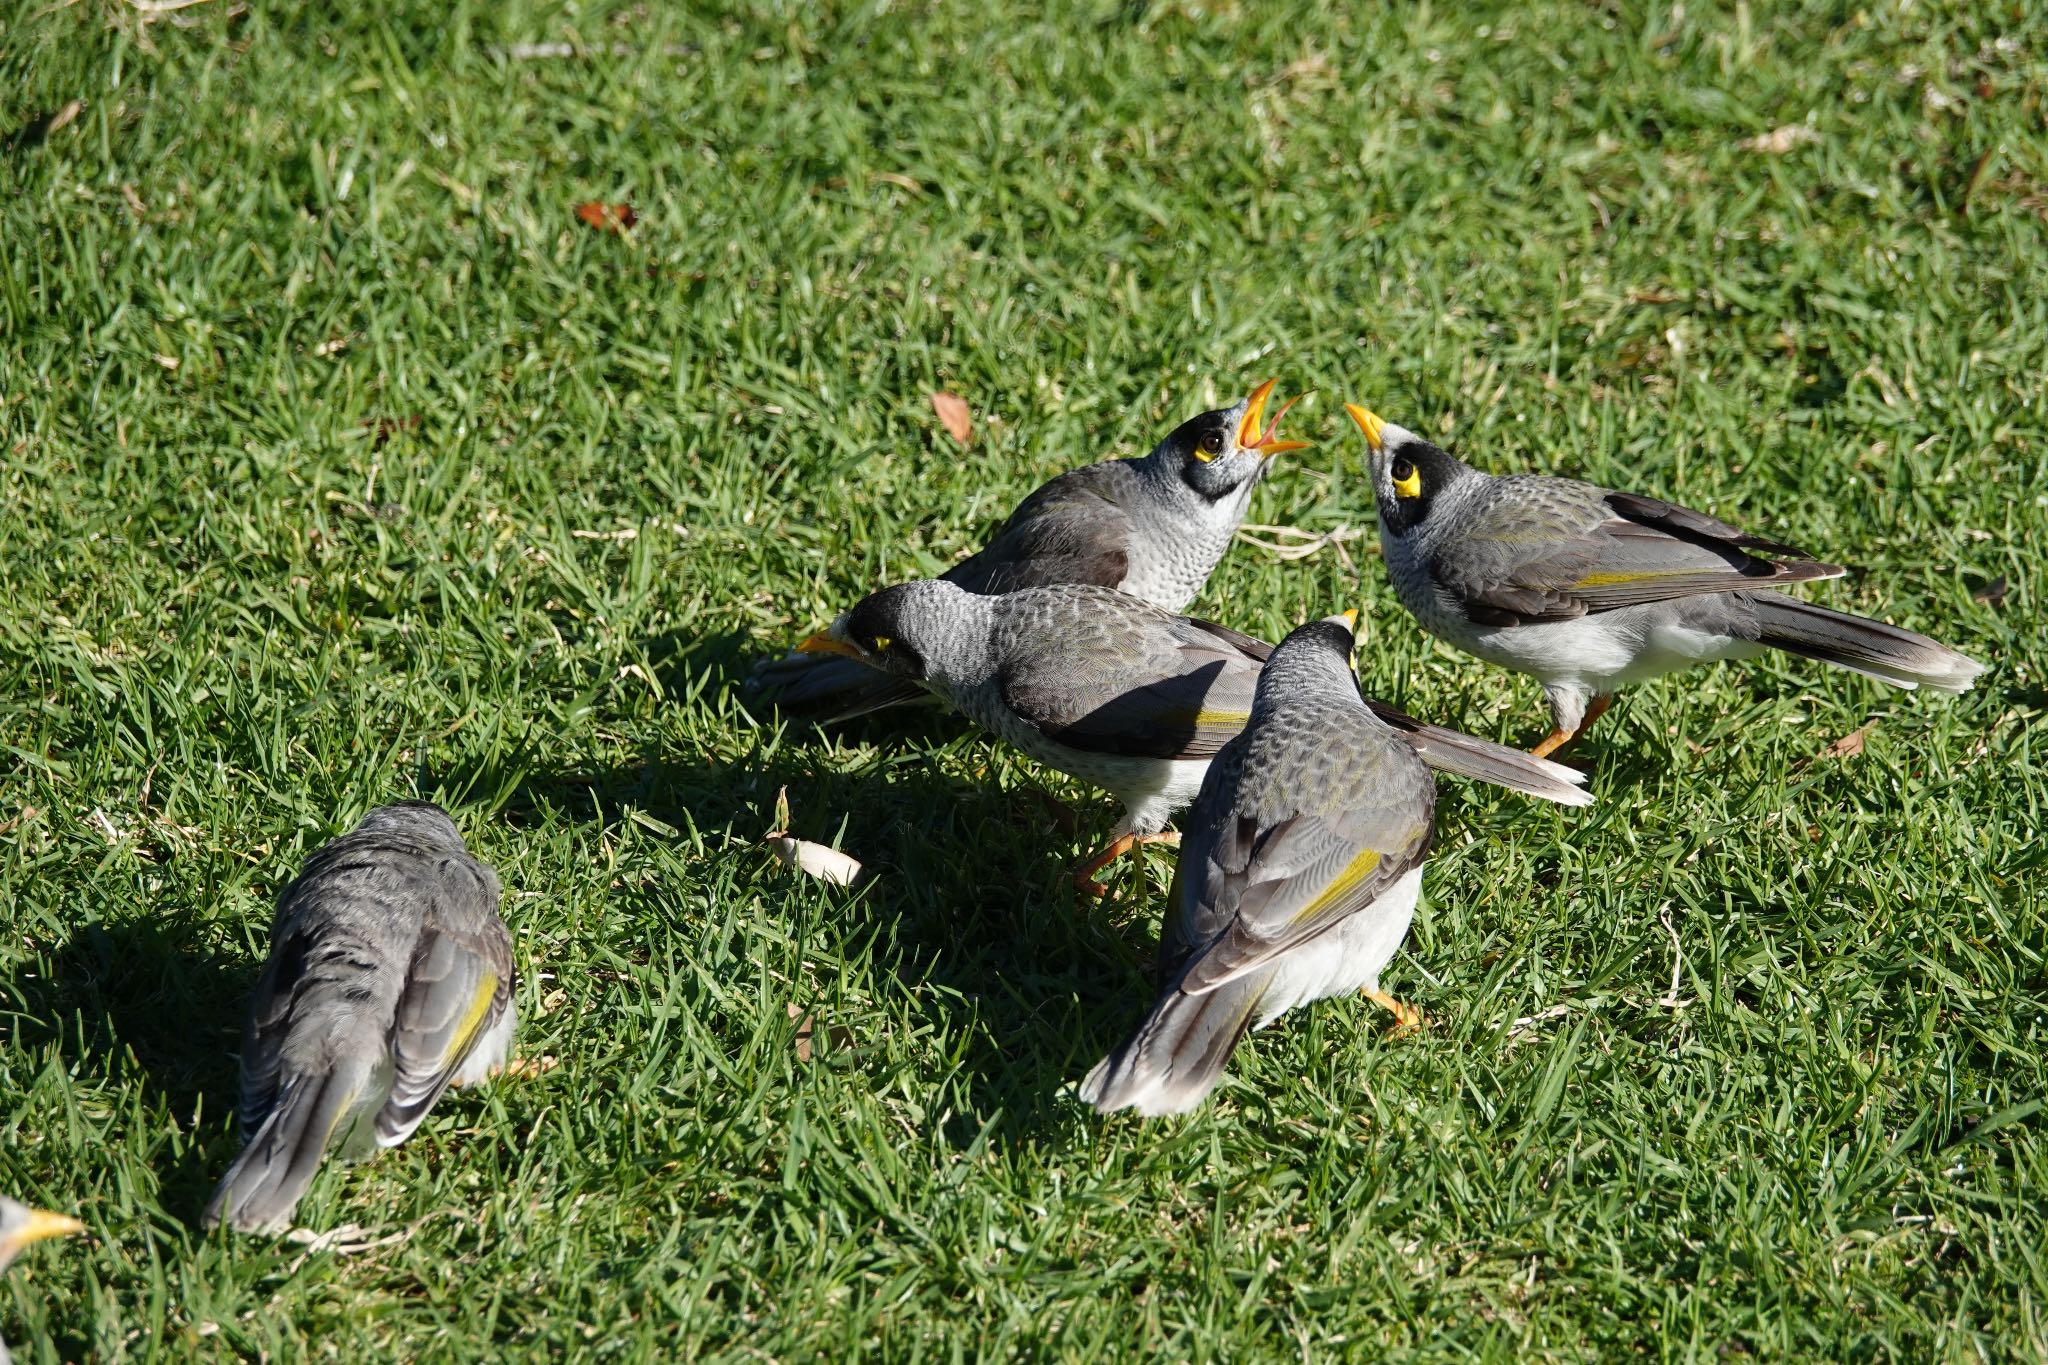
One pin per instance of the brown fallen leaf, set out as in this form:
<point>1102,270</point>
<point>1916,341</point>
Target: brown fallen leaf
<point>607,217</point>
<point>953,413</point>
<point>1851,744</point>
<point>1992,593</point>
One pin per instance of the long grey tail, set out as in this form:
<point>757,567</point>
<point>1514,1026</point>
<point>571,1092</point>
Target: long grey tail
<point>1463,755</point>
<point>268,1179</point>
<point>1871,648</point>
<point>1177,1055</point>
<point>828,688</point>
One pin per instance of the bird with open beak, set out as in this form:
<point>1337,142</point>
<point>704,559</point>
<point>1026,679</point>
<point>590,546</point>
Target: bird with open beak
<point>1153,527</point>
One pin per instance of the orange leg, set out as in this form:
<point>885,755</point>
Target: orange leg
<point>1407,1018</point>
<point>1084,875</point>
<point>1558,739</point>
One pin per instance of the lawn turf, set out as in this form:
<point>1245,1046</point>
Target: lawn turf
<point>343,463</point>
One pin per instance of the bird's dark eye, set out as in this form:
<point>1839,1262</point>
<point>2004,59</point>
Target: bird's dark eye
<point>1212,441</point>
<point>1404,470</point>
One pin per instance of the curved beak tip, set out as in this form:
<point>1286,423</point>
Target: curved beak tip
<point>1370,424</point>
<point>1249,433</point>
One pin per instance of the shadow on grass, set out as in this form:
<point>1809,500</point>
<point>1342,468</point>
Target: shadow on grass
<point>971,906</point>
<point>157,996</point>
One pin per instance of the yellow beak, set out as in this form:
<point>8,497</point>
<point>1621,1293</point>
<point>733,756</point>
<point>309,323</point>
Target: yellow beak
<point>42,1225</point>
<point>1371,425</point>
<point>824,642</point>
<point>1350,618</point>
<point>1249,437</point>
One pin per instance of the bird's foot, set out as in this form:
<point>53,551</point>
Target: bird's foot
<point>1407,1018</point>
<point>1559,739</point>
<point>1084,875</point>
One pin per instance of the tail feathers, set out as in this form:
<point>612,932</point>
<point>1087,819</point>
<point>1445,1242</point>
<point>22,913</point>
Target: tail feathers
<point>1464,755</point>
<point>266,1182</point>
<point>828,688</point>
<point>1177,1055</point>
<point>1871,648</point>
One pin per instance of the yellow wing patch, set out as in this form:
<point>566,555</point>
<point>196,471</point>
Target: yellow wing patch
<point>1206,719</point>
<point>1340,885</point>
<point>1611,580</point>
<point>473,1021</point>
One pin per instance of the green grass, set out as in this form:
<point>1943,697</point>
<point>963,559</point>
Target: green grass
<point>311,386</point>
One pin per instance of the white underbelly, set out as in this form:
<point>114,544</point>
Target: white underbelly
<point>1607,650</point>
<point>1349,957</point>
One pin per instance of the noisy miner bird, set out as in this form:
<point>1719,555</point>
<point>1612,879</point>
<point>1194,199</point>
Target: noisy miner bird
<point>1298,875</point>
<point>22,1227</point>
<point>1116,692</point>
<point>390,978</point>
<point>1588,589</point>
<point>1153,526</point>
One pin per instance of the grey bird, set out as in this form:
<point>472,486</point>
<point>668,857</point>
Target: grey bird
<point>1588,589</point>
<point>1299,871</point>
<point>390,978</point>
<point>1154,527</point>
<point>1116,692</point>
<point>22,1227</point>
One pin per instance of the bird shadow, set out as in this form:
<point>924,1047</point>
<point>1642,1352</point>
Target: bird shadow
<point>163,998</point>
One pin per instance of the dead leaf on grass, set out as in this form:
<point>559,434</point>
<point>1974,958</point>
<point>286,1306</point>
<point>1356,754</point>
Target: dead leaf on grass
<point>607,217</point>
<point>1851,744</point>
<point>953,413</point>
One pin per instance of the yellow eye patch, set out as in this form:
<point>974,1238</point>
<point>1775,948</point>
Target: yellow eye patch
<point>1407,485</point>
<point>882,642</point>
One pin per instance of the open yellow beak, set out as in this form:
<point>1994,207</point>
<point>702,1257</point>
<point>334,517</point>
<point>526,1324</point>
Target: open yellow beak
<point>1249,437</point>
<point>824,642</point>
<point>42,1225</point>
<point>1371,425</point>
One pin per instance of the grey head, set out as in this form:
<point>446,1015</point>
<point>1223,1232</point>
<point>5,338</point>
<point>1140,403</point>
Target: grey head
<point>1312,663</point>
<point>421,822</point>
<point>1209,464</point>
<point>928,631</point>
<point>1411,478</point>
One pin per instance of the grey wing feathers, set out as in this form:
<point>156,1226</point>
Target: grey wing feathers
<point>459,984</point>
<point>1685,522</point>
<point>1297,880</point>
<point>1179,691</point>
<point>1553,550</point>
<point>1070,531</point>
